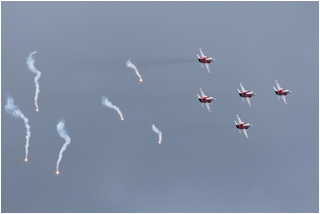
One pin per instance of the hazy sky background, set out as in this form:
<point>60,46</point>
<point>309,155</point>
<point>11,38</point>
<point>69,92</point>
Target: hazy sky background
<point>203,163</point>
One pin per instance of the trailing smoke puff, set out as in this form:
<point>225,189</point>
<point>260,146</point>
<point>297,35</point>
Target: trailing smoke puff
<point>131,65</point>
<point>156,130</point>
<point>108,104</point>
<point>14,111</point>
<point>64,134</point>
<point>32,68</point>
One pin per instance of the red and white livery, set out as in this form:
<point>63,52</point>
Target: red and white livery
<point>242,126</point>
<point>245,94</point>
<point>203,59</point>
<point>281,92</point>
<point>204,99</point>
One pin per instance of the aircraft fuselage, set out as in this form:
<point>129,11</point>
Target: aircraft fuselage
<point>282,92</point>
<point>206,99</point>
<point>243,126</point>
<point>246,94</point>
<point>205,60</point>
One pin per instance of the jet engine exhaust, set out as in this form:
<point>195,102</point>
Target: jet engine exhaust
<point>30,63</point>
<point>14,111</point>
<point>64,134</point>
<point>108,104</point>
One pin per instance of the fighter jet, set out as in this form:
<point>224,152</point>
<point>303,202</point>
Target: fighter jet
<point>281,92</point>
<point>242,126</point>
<point>205,60</point>
<point>205,99</point>
<point>246,94</point>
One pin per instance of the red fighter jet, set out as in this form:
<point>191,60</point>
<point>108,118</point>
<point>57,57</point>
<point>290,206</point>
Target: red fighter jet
<point>205,60</point>
<point>246,94</point>
<point>281,92</point>
<point>205,99</point>
<point>242,126</point>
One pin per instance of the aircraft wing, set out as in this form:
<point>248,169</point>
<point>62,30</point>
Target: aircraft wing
<point>208,107</point>
<point>202,94</point>
<point>278,86</point>
<point>201,53</point>
<point>240,121</point>
<point>245,132</point>
<point>207,66</point>
<point>242,88</point>
<point>284,99</point>
<point>248,100</point>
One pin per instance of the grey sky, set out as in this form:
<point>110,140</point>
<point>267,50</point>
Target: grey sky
<point>203,163</point>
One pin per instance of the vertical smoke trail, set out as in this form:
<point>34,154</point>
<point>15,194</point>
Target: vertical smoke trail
<point>130,65</point>
<point>64,134</point>
<point>107,103</point>
<point>30,63</point>
<point>154,128</point>
<point>13,110</point>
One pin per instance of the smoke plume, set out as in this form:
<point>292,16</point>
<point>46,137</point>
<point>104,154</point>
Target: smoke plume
<point>108,104</point>
<point>30,63</point>
<point>64,134</point>
<point>154,128</point>
<point>14,111</point>
<point>131,65</point>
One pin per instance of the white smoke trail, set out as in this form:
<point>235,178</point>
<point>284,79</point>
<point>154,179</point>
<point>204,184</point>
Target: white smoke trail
<point>107,103</point>
<point>30,63</point>
<point>131,65</point>
<point>154,128</point>
<point>13,110</point>
<point>64,134</point>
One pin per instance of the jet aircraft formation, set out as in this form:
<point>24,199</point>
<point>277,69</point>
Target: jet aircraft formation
<point>203,99</point>
<point>244,94</point>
